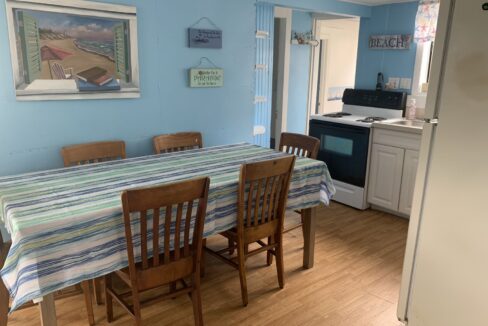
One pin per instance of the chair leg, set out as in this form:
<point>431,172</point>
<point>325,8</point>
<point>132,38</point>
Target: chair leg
<point>97,288</point>
<point>196,299</point>
<point>85,285</point>
<point>136,302</point>
<point>279,260</point>
<point>202,259</point>
<point>242,272</point>
<point>109,306</point>
<point>269,255</point>
<point>4,300</point>
<point>231,246</point>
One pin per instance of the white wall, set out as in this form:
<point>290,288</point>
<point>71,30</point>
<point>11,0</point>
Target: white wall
<point>342,37</point>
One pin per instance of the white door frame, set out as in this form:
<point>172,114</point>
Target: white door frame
<point>314,72</point>
<point>283,75</point>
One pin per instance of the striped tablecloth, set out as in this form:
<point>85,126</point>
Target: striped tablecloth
<point>66,224</point>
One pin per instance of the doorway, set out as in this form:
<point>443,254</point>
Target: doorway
<point>333,62</point>
<point>281,63</point>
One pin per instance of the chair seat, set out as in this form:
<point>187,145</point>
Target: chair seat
<point>153,277</point>
<point>254,233</point>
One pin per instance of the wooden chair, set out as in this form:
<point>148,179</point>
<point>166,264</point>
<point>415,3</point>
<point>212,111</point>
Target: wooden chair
<point>262,196</point>
<point>181,253</point>
<point>177,142</point>
<point>93,152</point>
<point>299,145</point>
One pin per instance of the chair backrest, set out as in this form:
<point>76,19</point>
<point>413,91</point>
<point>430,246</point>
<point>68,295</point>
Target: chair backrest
<point>177,142</point>
<point>173,205</point>
<point>93,152</point>
<point>263,192</point>
<point>300,145</point>
<point>58,71</point>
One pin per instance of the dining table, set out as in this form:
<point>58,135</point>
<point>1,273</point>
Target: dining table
<point>66,224</point>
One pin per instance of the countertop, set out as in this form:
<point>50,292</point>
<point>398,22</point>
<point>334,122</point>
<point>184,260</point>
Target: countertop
<point>404,125</point>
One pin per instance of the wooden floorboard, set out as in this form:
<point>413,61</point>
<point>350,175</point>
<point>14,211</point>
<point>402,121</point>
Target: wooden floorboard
<point>355,281</point>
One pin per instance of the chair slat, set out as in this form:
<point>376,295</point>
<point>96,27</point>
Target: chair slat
<point>265,200</point>
<point>155,230</point>
<point>167,234</point>
<point>143,217</point>
<point>256,202</point>
<point>179,213</point>
<point>249,204</point>
<point>189,209</point>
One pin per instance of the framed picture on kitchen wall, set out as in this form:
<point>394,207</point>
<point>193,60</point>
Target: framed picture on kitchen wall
<point>65,49</point>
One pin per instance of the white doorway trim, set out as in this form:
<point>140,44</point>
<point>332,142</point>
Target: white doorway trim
<point>283,75</point>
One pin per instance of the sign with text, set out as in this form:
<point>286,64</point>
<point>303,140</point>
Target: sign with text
<point>206,77</point>
<point>205,38</point>
<point>390,42</point>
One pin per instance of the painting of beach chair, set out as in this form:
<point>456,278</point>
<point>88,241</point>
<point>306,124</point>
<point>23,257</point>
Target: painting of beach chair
<point>59,72</point>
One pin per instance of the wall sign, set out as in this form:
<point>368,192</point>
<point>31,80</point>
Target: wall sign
<point>206,77</point>
<point>205,38</point>
<point>390,42</point>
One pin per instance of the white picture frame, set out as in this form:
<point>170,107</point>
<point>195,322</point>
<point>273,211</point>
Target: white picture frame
<point>67,90</point>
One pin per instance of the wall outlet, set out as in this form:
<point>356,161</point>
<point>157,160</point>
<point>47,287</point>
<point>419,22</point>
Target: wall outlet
<point>394,82</point>
<point>405,83</point>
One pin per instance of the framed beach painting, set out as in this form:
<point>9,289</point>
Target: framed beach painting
<point>73,49</point>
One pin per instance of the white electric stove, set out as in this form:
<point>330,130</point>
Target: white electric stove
<point>345,142</point>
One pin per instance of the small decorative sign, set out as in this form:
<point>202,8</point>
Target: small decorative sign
<point>205,38</point>
<point>390,42</point>
<point>206,77</point>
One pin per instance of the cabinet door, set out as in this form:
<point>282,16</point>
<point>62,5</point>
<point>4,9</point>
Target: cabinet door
<point>385,176</point>
<point>408,181</point>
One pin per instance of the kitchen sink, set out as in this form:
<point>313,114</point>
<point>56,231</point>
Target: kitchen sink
<point>409,123</point>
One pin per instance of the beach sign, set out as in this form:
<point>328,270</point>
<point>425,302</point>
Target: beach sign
<point>206,77</point>
<point>205,38</point>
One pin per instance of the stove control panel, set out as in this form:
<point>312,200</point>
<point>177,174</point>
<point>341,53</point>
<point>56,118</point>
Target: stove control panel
<point>376,99</point>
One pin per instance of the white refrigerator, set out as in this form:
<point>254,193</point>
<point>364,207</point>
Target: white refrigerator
<point>445,273</point>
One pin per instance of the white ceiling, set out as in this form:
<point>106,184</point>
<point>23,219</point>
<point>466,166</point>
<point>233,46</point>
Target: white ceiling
<point>376,2</point>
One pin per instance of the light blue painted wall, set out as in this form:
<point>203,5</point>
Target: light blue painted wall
<point>387,19</point>
<point>32,133</point>
<point>299,75</point>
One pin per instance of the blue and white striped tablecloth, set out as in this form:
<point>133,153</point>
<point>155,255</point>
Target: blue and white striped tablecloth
<point>66,224</point>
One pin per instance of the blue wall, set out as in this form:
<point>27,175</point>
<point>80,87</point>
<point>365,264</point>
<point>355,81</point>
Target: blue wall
<point>387,19</point>
<point>299,75</point>
<point>32,133</point>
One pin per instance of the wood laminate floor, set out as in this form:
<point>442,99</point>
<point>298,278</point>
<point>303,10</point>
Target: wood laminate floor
<point>355,281</point>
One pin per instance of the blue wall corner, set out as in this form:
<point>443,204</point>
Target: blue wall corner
<point>386,19</point>
<point>299,75</point>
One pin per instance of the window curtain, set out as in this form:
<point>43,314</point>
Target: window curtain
<point>426,22</point>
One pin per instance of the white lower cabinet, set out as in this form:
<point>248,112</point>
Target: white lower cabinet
<point>385,176</point>
<point>393,169</point>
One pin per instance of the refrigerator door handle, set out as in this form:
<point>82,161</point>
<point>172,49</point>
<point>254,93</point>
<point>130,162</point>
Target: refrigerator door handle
<point>432,121</point>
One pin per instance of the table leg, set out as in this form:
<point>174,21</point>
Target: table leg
<point>309,219</point>
<point>48,311</point>
<point>4,300</point>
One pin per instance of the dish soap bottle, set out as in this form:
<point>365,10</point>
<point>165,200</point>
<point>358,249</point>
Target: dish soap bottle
<point>411,109</point>
<point>380,82</point>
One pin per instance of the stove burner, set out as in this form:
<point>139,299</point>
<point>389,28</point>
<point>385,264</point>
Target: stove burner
<point>371,119</point>
<point>337,115</point>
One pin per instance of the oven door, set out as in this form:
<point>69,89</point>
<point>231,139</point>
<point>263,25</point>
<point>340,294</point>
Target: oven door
<point>344,148</point>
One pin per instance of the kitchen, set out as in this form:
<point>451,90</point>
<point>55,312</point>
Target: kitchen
<point>381,220</point>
